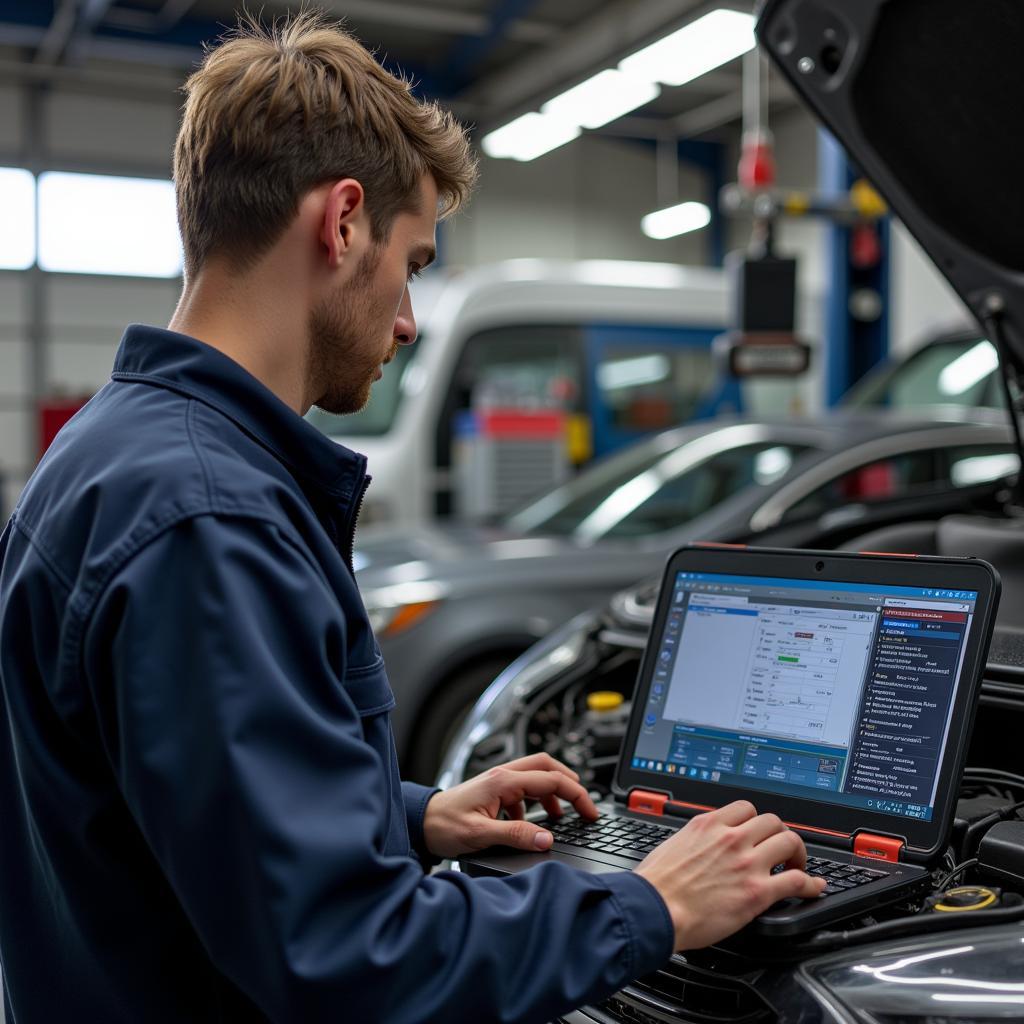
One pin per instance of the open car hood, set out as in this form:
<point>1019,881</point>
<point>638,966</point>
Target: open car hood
<point>925,95</point>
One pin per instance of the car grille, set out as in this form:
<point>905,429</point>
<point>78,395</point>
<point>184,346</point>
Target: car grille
<point>682,991</point>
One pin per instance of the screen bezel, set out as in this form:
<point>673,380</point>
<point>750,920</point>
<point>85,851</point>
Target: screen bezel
<point>923,838</point>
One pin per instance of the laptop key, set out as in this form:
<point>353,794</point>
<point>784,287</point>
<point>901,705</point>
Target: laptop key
<point>626,851</point>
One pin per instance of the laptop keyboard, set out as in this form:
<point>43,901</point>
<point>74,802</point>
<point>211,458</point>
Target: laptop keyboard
<point>632,839</point>
<point>625,837</point>
<point>838,876</point>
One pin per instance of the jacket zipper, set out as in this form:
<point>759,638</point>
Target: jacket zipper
<point>350,539</point>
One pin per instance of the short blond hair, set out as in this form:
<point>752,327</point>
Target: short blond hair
<point>273,112</point>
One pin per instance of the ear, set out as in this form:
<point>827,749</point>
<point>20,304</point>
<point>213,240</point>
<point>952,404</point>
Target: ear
<point>344,221</point>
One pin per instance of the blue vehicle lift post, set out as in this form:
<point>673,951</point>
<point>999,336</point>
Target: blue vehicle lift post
<point>853,344</point>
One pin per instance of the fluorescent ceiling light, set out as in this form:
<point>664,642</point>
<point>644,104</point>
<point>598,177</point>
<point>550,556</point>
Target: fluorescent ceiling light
<point>695,49</point>
<point>601,98</point>
<point>676,220</point>
<point>968,369</point>
<point>98,224</point>
<point>529,137</point>
<point>18,213</point>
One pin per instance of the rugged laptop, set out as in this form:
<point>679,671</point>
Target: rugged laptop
<point>836,690</point>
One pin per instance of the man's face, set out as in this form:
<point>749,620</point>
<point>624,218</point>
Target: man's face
<point>358,328</point>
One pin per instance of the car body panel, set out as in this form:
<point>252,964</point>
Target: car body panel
<point>502,591</point>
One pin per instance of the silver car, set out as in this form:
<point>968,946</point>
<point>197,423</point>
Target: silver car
<point>451,607</point>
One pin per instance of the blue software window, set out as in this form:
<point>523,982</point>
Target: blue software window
<point>841,692</point>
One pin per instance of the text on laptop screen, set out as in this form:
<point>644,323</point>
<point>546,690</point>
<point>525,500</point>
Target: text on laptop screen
<point>837,692</point>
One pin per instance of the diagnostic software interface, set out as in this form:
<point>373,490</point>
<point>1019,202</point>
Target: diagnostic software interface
<point>841,692</point>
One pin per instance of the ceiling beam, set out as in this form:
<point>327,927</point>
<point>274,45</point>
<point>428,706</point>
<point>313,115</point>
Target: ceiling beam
<point>73,22</point>
<point>150,21</point>
<point>468,23</point>
<point>406,14</point>
<point>601,41</point>
<point>710,115</point>
<point>148,85</point>
<point>143,51</point>
<point>55,39</point>
<point>468,53</point>
<point>699,120</point>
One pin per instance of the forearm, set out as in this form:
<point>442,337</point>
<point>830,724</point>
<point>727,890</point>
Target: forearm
<point>521,949</point>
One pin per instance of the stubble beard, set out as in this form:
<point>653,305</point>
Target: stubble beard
<point>341,369</point>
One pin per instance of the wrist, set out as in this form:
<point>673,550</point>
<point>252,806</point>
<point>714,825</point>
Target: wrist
<point>677,913</point>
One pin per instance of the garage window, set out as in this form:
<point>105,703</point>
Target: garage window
<point>17,210</point>
<point>99,224</point>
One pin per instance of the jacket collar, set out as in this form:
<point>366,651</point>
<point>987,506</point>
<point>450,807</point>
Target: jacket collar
<point>166,359</point>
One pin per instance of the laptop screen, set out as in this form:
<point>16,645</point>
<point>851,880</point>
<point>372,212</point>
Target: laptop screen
<point>836,692</point>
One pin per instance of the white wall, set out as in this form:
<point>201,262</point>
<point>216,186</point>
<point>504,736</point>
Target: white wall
<point>111,130</point>
<point>584,200</point>
<point>921,300</point>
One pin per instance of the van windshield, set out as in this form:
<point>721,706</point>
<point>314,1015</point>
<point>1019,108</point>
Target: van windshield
<point>377,416</point>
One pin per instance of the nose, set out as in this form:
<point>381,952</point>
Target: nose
<point>405,322</point>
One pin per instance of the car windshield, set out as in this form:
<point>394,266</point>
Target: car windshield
<point>653,487</point>
<point>377,416</point>
<point>960,371</point>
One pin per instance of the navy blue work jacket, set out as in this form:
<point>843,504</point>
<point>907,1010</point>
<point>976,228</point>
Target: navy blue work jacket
<point>202,817</point>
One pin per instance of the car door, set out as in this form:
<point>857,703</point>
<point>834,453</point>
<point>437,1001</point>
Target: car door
<point>869,488</point>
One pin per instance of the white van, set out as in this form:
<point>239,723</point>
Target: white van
<point>624,348</point>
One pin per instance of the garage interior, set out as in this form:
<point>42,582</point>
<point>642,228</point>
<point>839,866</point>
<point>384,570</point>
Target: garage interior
<point>676,309</point>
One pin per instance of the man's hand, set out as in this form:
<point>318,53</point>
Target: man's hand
<point>715,874</point>
<point>465,818</point>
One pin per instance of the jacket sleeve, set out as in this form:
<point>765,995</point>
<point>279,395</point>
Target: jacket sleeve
<point>216,659</point>
<point>415,799</point>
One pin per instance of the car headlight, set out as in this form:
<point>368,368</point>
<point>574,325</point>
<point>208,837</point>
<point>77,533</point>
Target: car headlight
<point>505,698</point>
<point>966,975</point>
<point>393,609</point>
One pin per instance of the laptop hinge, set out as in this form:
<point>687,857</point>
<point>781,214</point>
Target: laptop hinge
<point>889,848</point>
<point>646,802</point>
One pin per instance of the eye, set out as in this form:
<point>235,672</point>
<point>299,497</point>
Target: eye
<point>414,271</point>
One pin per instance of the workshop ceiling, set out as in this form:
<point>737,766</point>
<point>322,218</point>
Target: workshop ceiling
<point>490,60</point>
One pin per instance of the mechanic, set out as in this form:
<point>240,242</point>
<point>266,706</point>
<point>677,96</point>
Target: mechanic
<point>203,819</point>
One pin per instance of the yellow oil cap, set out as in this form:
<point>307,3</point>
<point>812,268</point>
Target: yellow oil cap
<point>966,897</point>
<point>604,700</point>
